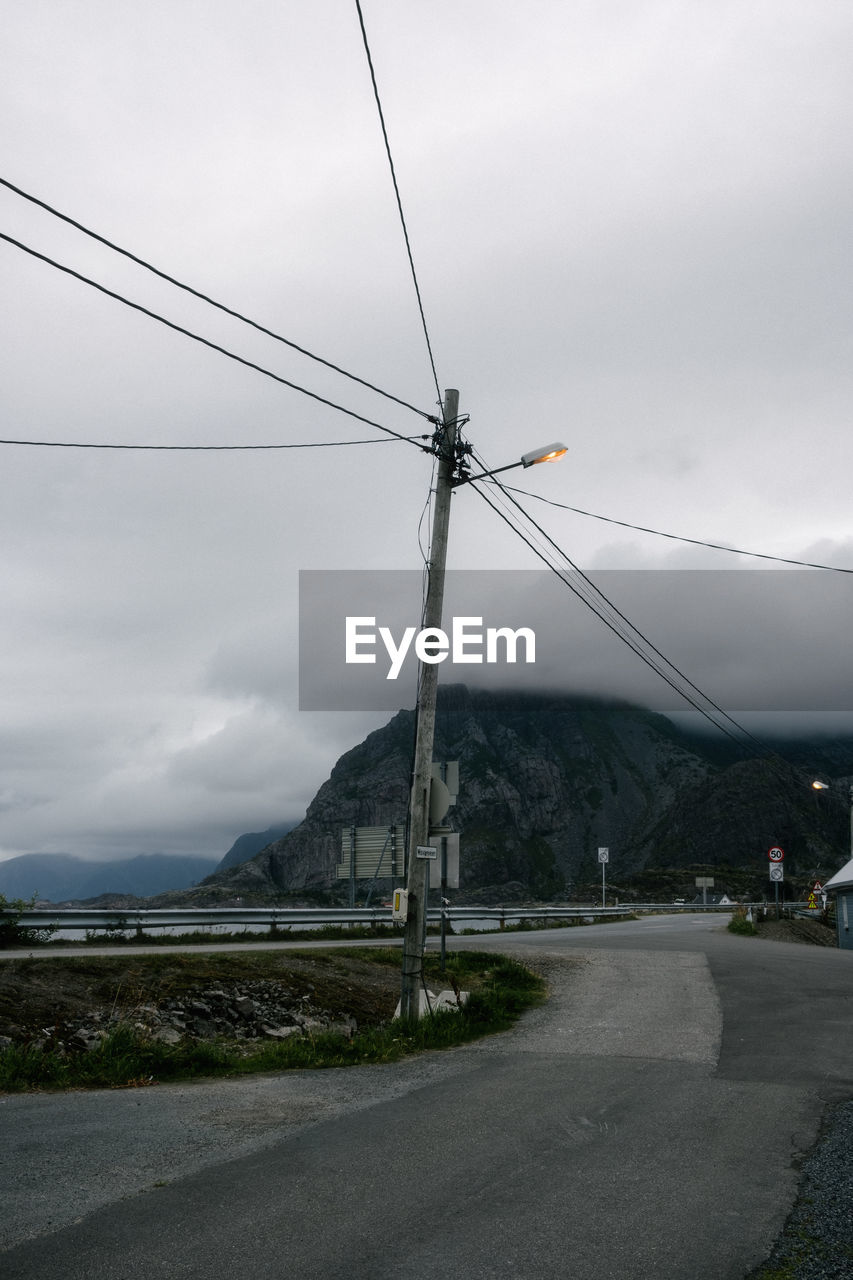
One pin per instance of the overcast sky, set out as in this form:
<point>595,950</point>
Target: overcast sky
<point>631,228</point>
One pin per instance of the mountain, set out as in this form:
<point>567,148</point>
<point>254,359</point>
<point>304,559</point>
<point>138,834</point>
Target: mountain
<point>246,846</point>
<point>546,780</point>
<point>62,877</point>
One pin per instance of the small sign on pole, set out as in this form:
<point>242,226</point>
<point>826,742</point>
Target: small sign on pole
<point>603,858</point>
<point>777,875</point>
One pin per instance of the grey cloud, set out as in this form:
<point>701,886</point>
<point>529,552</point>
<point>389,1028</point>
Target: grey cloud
<point>630,229</point>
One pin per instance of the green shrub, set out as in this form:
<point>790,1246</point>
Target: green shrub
<point>14,934</point>
<point>740,924</point>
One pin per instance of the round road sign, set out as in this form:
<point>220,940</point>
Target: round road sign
<point>775,854</point>
<point>776,873</point>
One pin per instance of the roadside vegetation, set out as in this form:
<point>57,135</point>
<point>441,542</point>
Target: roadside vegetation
<point>12,932</point>
<point>739,923</point>
<point>817,931</point>
<point>500,990</point>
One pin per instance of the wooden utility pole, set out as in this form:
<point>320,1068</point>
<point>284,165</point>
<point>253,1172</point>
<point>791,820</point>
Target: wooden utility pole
<point>417,879</point>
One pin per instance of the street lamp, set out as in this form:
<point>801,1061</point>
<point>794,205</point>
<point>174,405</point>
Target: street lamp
<point>417,876</point>
<point>547,453</point>
<point>820,785</point>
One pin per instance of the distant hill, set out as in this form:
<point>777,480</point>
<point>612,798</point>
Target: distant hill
<point>246,846</point>
<point>545,780</point>
<point>63,877</point>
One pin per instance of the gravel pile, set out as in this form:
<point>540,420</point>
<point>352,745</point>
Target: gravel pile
<point>817,1242</point>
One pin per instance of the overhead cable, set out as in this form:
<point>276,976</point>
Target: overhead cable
<point>641,645</point>
<point>585,590</point>
<point>399,201</point>
<point>634,646</point>
<point>696,542</point>
<point>206,342</point>
<point>209,448</point>
<point>196,293</point>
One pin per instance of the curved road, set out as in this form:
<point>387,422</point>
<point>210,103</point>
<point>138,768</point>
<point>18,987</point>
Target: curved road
<point>646,1123</point>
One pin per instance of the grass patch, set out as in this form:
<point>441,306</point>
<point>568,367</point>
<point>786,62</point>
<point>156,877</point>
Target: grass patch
<point>500,991</point>
<point>123,1058</point>
<point>740,925</point>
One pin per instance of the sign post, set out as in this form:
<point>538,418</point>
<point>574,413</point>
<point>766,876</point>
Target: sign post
<point>603,858</point>
<point>777,873</point>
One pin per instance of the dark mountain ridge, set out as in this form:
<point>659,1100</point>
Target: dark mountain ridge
<point>246,846</point>
<point>64,877</point>
<point>546,779</point>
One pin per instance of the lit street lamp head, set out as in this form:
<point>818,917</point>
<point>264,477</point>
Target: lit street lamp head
<point>548,453</point>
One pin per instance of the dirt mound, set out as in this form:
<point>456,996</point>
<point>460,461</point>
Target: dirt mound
<point>40,997</point>
<point>811,932</point>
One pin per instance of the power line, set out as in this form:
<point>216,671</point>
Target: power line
<point>619,633</point>
<point>208,448</point>
<point>582,587</point>
<point>397,194</point>
<point>696,542</point>
<point>220,306</point>
<point>188,333</point>
<point>772,757</point>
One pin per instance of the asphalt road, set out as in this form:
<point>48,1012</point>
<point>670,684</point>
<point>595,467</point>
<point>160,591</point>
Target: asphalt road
<point>647,1122</point>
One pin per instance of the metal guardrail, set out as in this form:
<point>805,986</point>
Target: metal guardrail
<point>232,918</point>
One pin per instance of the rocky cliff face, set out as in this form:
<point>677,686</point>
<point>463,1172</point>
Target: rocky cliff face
<point>735,815</point>
<point>548,780</point>
<point>246,846</point>
<point>543,782</point>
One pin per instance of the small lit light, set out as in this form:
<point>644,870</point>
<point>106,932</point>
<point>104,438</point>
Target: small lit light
<point>548,453</point>
<point>820,786</point>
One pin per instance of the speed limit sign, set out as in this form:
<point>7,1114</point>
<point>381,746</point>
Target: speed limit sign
<point>775,854</point>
